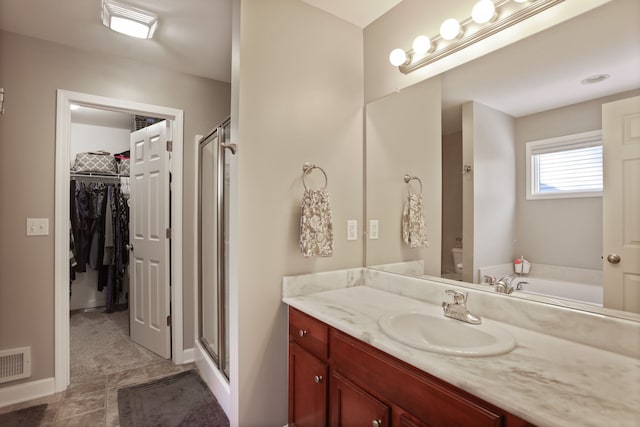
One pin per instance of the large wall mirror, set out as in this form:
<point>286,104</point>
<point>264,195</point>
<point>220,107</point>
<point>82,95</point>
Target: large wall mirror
<point>463,134</point>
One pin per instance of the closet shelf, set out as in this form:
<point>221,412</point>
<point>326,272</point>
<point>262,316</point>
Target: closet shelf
<point>100,177</point>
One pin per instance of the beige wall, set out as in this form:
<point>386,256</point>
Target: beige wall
<point>489,190</point>
<point>30,71</point>
<point>451,196</point>
<point>299,79</point>
<point>548,231</point>
<point>403,136</point>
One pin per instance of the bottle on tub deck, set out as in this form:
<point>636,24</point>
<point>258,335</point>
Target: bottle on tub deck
<point>521,266</point>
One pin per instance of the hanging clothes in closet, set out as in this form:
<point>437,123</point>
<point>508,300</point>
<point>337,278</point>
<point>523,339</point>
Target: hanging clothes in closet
<point>100,233</point>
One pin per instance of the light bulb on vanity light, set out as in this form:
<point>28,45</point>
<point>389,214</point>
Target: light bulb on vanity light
<point>422,45</point>
<point>483,12</point>
<point>450,29</point>
<point>398,57</point>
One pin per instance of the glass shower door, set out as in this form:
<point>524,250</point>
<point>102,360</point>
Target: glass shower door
<point>213,220</point>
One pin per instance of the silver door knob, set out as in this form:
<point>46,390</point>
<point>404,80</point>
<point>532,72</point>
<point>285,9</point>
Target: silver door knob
<point>317,379</point>
<point>613,258</point>
<point>130,247</point>
<point>302,333</point>
<point>376,423</point>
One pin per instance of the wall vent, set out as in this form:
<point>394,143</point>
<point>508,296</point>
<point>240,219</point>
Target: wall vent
<point>15,364</point>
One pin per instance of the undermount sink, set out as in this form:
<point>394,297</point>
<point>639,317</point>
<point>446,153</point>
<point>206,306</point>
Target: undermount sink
<point>446,336</point>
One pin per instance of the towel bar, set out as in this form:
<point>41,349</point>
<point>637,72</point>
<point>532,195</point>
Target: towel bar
<point>408,178</point>
<point>307,168</point>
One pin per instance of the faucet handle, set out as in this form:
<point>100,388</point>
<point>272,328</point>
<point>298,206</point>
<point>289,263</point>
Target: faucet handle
<point>489,280</point>
<point>506,279</point>
<point>458,297</point>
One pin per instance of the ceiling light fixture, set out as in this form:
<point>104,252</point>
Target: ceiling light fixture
<point>128,20</point>
<point>594,79</point>
<point>488,17</point>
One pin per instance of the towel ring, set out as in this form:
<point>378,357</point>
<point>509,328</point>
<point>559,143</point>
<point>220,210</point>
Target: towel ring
<point>307,168</point>
<point>408,178</point>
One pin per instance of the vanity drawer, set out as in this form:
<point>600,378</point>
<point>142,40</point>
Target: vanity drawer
<point>309,333</point>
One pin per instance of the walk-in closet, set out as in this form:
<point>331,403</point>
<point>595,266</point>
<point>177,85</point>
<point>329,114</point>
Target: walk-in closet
<point>99,242</point>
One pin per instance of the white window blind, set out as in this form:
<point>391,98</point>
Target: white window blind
<point>569,166</point>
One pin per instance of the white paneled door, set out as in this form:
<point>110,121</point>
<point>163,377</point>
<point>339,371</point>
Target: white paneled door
<point>621,204</point>
<point>149,292</point>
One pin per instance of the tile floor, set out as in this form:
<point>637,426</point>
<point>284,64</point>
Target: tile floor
<point>89,402</point>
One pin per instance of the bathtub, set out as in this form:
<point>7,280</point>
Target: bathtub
<point>552,281</point>
<point>579,292</point>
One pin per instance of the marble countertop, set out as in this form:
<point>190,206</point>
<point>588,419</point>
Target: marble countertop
<point>548,381</point>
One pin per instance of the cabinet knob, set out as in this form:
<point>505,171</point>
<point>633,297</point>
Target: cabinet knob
<point>317,379</point>
<point>302,333</point>
<point>376,423</point>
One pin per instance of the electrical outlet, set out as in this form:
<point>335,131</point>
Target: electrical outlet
<point>37,226</point>
<point>373,229</point>
<point>352,229</point>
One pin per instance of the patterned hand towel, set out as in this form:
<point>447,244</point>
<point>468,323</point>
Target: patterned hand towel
<point>316,229</point>
<point>414,230</point>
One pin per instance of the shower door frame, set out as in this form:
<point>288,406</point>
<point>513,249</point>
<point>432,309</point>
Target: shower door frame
<point>217,136</point>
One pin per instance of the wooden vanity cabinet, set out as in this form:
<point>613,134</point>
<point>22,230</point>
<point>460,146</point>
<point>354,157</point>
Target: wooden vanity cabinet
<point>308,370</point>
<point>363,386</point>
<point>352,406</point>
<point>307,388</point>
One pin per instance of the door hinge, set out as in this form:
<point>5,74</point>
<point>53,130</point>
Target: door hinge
<point>169,320</point>
<point>170,146</point>
<point>168,233</point>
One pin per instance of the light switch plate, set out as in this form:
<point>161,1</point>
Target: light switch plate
<point>373,229</point>
<point>37,226</point>
<point>352,229</point>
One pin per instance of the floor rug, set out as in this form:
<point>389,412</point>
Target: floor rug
<point>179,400</point>
<point>100,345</point>
<point>27,417</point>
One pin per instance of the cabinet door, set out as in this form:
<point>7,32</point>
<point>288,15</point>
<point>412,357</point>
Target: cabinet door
<point>404,419</point>
<point>351,406</point>
<point>307,389</point>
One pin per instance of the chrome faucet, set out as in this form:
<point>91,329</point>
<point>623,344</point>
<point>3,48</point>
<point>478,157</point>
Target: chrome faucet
<point>503,286</point>
<point>520,285</point>
<point>458,308</point>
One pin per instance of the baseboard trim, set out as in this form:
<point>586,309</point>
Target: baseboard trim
<point>26,391</point>
<point>188,355</point>
<point>216,382</point>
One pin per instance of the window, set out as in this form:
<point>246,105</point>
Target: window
<point>563,167</point>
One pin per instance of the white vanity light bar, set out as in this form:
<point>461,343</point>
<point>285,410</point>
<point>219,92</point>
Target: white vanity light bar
<point>509,13</point>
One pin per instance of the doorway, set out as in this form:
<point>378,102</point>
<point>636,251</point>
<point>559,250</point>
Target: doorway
<point>62,214</point>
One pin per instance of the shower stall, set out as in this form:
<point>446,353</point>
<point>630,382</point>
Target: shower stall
<point>213,254</point>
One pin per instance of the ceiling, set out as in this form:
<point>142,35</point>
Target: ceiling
<point>544,71</point>
<point>184,28</point>
<point>517,80</point>
<point>359,12</point>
